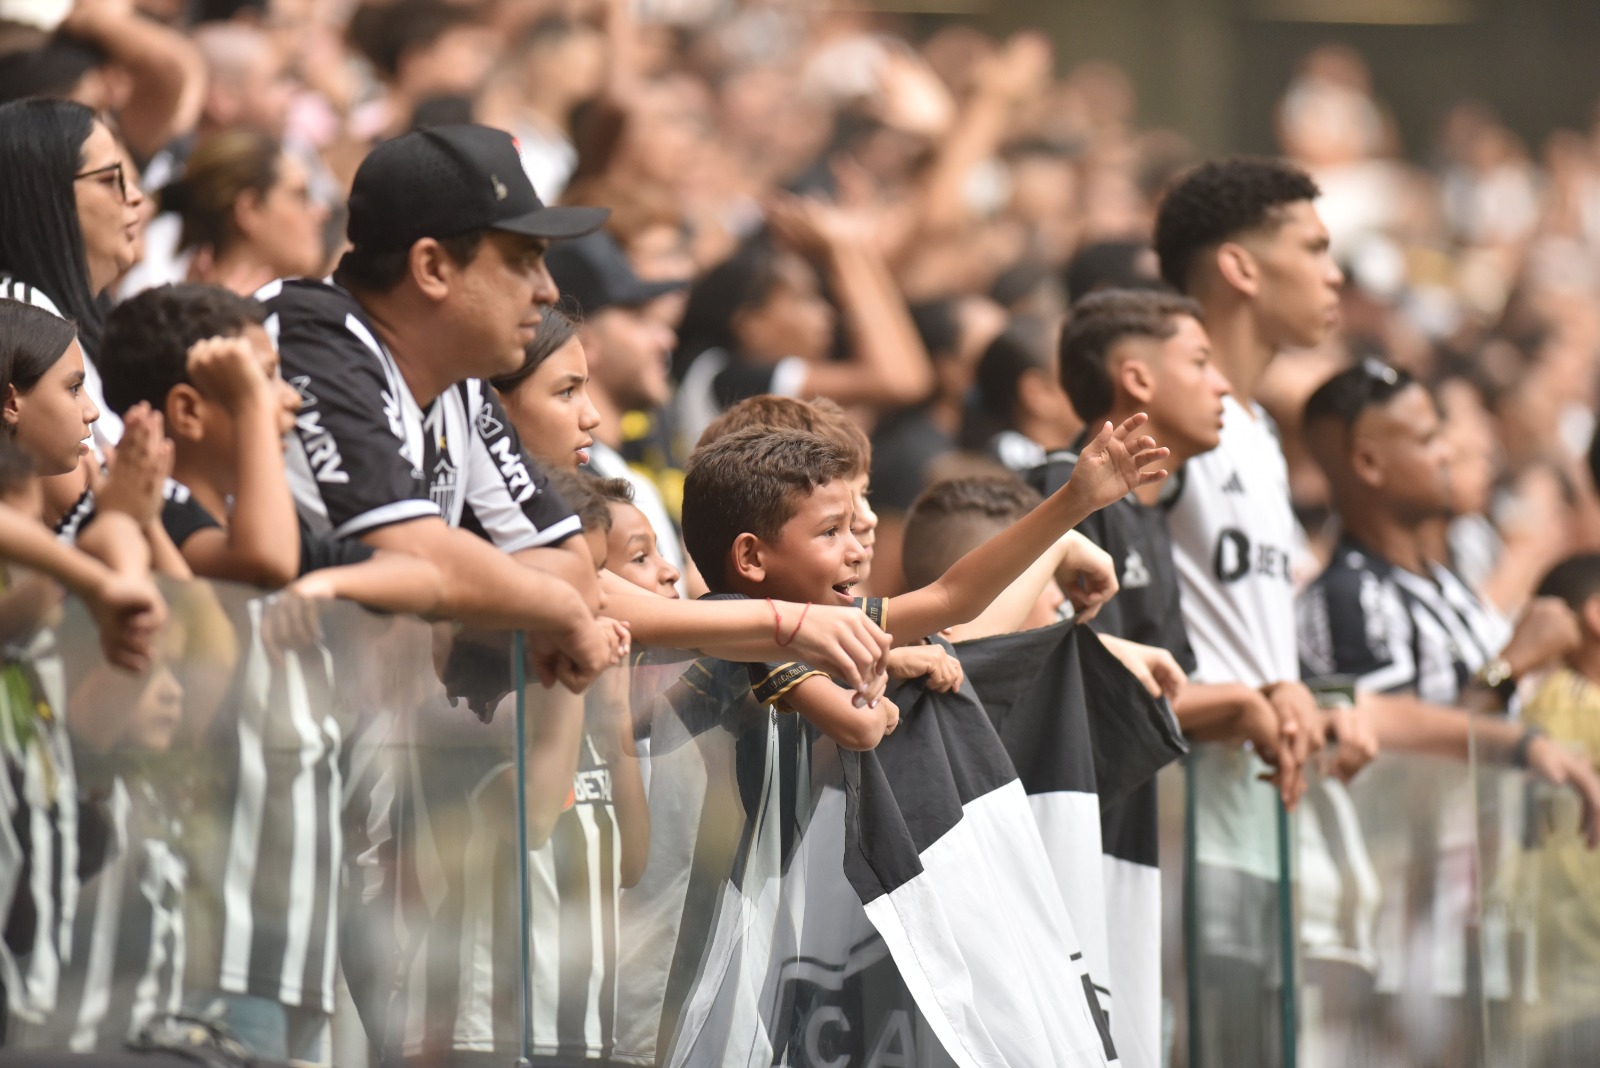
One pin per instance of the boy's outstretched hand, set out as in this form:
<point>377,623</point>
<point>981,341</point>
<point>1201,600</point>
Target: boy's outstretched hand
<point>1117,462</point>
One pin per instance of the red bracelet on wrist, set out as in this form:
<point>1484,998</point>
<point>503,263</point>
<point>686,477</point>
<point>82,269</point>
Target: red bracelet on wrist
<point>797,626</point>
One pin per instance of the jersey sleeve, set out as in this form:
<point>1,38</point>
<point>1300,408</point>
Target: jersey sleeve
<point>1353,623</point>
<point>508,500</point>
<point>355,459</point>
<point>183,516</point>
<point>318,551</point>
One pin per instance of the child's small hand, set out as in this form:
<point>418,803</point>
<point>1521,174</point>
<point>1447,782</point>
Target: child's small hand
<point>129,613</point>
<point>1088,576</point>
<point>891,714</point>
<point>1116,463</point>
<point>140,469</point>
<point>1155,668</point>
<point>942,670</point>
<point>226,370</point>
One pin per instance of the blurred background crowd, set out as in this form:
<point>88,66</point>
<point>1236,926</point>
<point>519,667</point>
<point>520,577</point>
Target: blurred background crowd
<point>818,173</point>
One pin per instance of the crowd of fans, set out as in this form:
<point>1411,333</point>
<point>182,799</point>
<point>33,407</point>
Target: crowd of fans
<point>777,246</point>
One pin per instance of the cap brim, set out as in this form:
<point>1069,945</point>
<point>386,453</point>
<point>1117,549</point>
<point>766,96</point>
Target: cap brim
<point>555,223</point>
<point>644,292</point>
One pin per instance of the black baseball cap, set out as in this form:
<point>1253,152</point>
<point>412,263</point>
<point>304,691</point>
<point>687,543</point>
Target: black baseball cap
<point>440,181</point>
<point>594,272</point>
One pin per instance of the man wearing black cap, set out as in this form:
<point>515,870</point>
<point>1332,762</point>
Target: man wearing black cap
<point>397,441</point>
<point>628,342</point>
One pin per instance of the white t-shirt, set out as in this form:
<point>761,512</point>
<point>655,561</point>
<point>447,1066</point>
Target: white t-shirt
<point>1233,539</point>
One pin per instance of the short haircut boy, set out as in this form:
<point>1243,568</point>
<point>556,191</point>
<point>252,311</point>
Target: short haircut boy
<point>1098,324</point>
<point>1220,201</point>
<point>821,416</point>
<point>751,482</point>
<point>1575,580</point>
<point>953,517</point>
<point>145,350</point>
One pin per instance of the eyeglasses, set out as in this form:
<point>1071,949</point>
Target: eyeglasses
<point>104,176</point>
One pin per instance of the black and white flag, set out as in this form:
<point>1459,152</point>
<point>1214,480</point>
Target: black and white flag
<point>1087,742</point>
<point>943,848</point>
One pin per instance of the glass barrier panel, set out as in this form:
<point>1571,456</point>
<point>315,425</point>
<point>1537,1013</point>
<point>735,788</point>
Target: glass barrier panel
<point>1234,875</point>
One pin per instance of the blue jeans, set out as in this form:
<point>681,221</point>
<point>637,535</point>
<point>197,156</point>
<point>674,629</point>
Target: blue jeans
<point>269,1029</point>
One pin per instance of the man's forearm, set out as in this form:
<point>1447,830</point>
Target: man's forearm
<point>1408,725</point>
<point>482,586</point>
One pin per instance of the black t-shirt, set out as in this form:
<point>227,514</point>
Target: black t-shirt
<point>183,517</point>
<point>1146,608</point>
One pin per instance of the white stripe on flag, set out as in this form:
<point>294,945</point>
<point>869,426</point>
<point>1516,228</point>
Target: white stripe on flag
<point>1133,925</point>
<point>984,947</point>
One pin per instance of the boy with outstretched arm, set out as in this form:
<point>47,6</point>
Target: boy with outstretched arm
<point>768,514</point>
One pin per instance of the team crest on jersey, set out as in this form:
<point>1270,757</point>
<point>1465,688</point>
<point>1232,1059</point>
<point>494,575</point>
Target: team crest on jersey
<point>444,484</point>
<point>1135,575</point>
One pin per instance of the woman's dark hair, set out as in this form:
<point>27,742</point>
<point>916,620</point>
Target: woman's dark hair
<point>1024,345</point>
<point>556,328</point>
<point>41,241</point>
<point>31,341</point>
<point>221,169</point>
<point>744,280</point>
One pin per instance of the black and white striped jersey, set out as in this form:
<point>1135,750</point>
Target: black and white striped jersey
<point>1394,630</point>
<point>267,854</point>
<point>365,455</point>
<point>40,821</point>
<point>574,887</point>
<point>129,937</point>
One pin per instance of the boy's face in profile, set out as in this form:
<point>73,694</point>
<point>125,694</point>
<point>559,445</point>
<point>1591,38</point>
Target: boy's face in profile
<point>1185,403</point>
<point>815,558</point>
<point>864,525</point>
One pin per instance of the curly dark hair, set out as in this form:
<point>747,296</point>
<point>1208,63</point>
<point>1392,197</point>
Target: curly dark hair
<point>1221,200</point>
<point>146,347</point>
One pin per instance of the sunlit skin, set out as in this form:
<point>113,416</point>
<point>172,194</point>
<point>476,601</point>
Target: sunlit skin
<point>111,225</point>
<point>285,223</point>
<point>631,552</point>
<point>552,411</point>
<point>1176,381</point>
<point>864,524</point>
<point>221,465</point>
<point>51,421</point>
<point>815,557</point>
<point>1298,283</point>
<point>497,301</point>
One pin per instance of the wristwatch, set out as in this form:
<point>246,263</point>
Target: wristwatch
<point>1497,675</point>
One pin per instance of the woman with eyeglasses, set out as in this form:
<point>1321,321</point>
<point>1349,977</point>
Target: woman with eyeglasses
<point>70,221</point>
<point>248,214</point>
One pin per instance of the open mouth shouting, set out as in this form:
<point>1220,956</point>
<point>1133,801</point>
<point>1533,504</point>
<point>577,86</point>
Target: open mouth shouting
<point>846,590</point>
